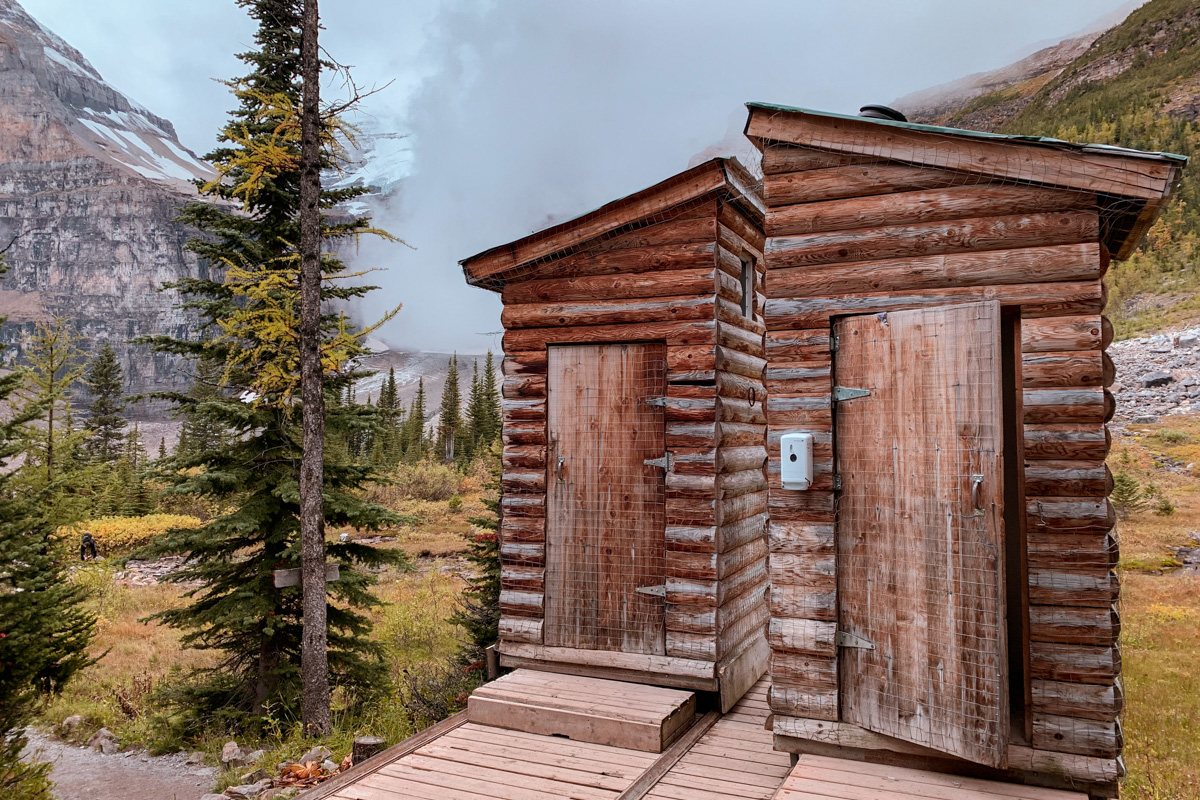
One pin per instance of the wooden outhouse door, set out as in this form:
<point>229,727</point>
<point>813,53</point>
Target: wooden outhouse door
<point>919,541</point>
<point>605,506</point>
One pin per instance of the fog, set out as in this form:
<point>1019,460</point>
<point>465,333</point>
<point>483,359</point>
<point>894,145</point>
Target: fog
<point>526,111</point>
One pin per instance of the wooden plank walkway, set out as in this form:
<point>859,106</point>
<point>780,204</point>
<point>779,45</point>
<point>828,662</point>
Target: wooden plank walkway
<point>820,778</point>
<point>473,762</point>
<point>735,759</point>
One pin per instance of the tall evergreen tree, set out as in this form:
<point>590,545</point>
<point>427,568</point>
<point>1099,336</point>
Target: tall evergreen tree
<point>479,612</point>
<point>385,448</point>
<point>490,402</point>
<point>248,311</point>
<point>53,458</point>
<point>450,417</point>
<point>415,443</point>
<point>202,432</point>
<point>106,418</point>
<point>473,421</point>
<point>44,631</point>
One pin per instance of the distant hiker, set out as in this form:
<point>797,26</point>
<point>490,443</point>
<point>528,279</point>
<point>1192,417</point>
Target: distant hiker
<point>87,548</point>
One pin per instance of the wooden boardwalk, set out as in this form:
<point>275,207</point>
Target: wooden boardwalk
<point>734,759</point>
<point>819,778</point>
<point>475,762</point>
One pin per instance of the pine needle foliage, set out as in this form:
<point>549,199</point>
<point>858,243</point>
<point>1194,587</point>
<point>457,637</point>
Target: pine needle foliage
<point>479,614</point>
<point>106,413</point>
<point>44,631</point>
<point>248,461</point>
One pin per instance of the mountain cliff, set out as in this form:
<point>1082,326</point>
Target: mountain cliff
<point>1136,84</point>
<point>90,183</point>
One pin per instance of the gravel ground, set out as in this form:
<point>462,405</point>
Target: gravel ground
<point>84,774</point>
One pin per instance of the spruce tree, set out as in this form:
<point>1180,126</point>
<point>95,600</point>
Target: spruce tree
<point>450,417</point>
<point>479,612</point>
<point>44,630</point>
<point>472,426</point>
<point>201,432</point>
<point>248,311</point>
<point>415,443</point>
<point>490,402</point>
<point>106,418</point>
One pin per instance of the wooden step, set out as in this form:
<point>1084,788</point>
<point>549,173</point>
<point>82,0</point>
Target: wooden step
<point>612,713</point>
<point>821,778</point>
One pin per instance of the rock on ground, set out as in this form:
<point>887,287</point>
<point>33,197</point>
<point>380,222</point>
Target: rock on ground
<point>1157,376</point>
<point>83,774</point>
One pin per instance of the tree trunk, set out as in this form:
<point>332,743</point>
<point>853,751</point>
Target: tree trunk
<point>314,660</point>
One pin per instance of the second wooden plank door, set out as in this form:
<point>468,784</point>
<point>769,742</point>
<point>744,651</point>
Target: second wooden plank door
<point>606,508</point>
<point>919,533</point>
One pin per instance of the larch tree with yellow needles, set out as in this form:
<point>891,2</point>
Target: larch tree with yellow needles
<point>248,306</point>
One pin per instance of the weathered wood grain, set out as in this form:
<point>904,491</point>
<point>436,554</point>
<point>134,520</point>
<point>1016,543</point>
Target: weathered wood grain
<point>919,239</point>
<point>935,396</point>
<point>856,180</point>
<point>603,431</point>
<point>1066,625</point>
<point>1035,299</point>
<point>993,160</point>
<point>1053,334</point>
<point>1075,663</point>
<point>1067,369</point>
<point>1092,404</point>
<point>607,312</point>
<point>1084,737</point>
<point>932,205</point>
<point>615,286</point>
<point>1029,264</point>
<point>1067,441</point>
<point>674,333</point>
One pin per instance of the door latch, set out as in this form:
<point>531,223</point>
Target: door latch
<point>656,591</point>
<point>655,401</point>
<point>667,462</point>
<point>845,639</point>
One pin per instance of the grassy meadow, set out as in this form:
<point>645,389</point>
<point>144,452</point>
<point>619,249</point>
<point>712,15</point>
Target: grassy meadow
<point>1160,612</point>
<point>136,657</point>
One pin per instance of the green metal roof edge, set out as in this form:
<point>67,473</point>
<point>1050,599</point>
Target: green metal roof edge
<point>1009,137</point>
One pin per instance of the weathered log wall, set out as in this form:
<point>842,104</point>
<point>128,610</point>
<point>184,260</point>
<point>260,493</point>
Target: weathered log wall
<point>677,281</point>
<point>848,234</point>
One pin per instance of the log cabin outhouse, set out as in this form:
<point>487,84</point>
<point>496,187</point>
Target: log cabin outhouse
<point>943,594</point>
<point>634,508</point>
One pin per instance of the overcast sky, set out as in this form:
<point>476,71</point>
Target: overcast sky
<point>527,110</point>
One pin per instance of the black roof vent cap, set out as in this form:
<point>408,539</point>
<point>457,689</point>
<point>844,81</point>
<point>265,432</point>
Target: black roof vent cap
<point>881,112</point>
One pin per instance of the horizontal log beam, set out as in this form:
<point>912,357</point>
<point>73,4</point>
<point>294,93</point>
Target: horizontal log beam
<point>915,240</point>
<point>930,205</point>
<point>857,180</point>
<point>1023,265</point>
<point>1035,299</point>
<point>1073,662</point>
<point>618,286</point>
<point>1091,626</point>
<point>1052,334</point>
<point>1062,478</point>
<point>608,312</point>
<point>1067,368</point>
<point>1069,441</point>
<point>1092,404</point>
<point>674,333</point>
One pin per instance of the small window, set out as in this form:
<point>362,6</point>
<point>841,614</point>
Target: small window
<point>747,281</point>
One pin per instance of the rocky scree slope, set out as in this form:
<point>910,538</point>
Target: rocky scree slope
<point>90,184</point>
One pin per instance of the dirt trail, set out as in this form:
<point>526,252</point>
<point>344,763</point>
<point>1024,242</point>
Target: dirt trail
<point>83,774</point>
